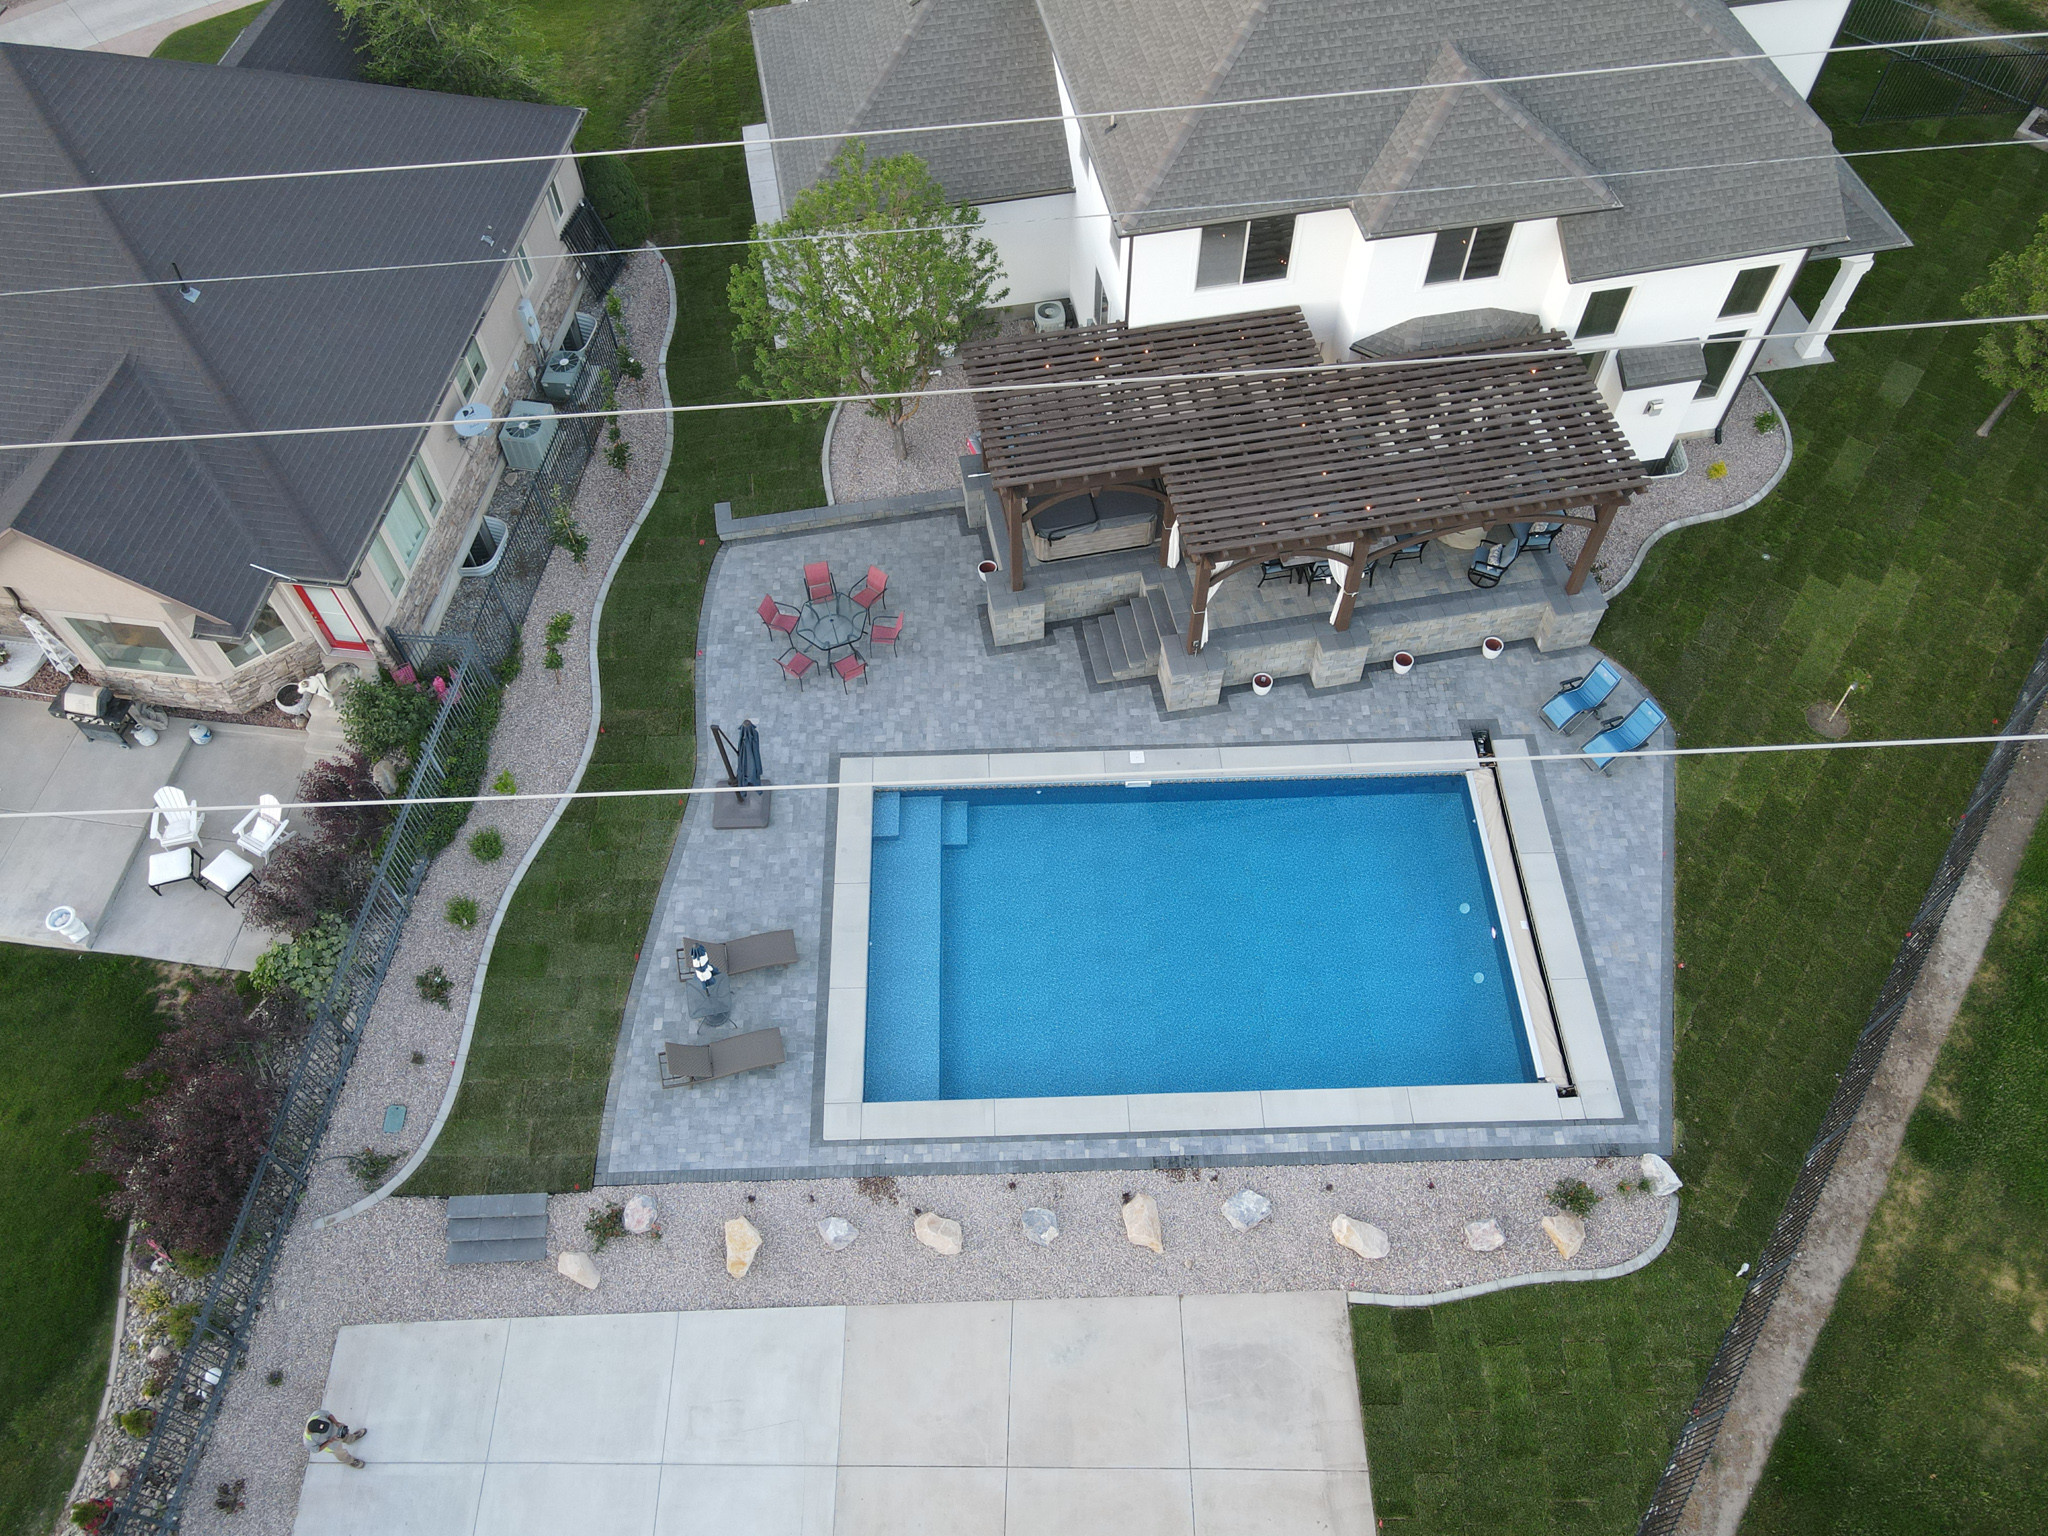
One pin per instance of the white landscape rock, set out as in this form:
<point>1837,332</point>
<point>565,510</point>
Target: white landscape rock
<point>1663,1179</point>
<point>742,1242</point>
<point>577,1267</point>
<point>1141,1222</point>
<point>838,1233</point>
<point>638,1215</point>
<point>939,1233</point>
<point>1041,1226</point>
<point>1246,1209</point>
<point>1568,1232</point>
<point>1484,1236</point>
<point>1361,1237</point>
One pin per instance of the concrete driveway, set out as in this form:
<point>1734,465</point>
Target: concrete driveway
<point>1146,1416</point>
<point>112,26</point>
<point>92,854</point>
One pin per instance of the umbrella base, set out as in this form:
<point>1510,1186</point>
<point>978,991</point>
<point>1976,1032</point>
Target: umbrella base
<point>730,813</point>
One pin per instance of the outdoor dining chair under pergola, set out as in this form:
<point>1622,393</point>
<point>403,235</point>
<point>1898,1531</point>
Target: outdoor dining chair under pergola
<point>1264,453</point>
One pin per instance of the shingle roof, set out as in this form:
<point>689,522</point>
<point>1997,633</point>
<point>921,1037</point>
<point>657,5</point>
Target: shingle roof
<point>188,520</point>
<point>1679,362</point>
<point>299,37</point>
<point>861,67</point>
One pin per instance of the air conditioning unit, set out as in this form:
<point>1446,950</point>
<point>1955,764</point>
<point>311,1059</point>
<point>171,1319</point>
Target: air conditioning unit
<point>1050,316</point>
<point>528,436</point>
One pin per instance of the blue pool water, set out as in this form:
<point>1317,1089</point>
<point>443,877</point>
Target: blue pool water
<point>1322,933</point>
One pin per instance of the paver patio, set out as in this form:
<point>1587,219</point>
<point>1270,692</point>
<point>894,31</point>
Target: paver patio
<point>1155,1416</point>
<point>950,689</point>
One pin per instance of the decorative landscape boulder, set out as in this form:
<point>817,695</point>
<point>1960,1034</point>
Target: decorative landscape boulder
<point>638,1216</point>
<point>838,1233</point>
<point>159,1354</point>
<point>742,1242</point>
<point>1361,1237</point>
<point>1246,1209</point>
<point>939,1233</point>
<point>1484,1236</point>
<point>1568,1232</point>
<point>1663,1180</point>
<point>1041,1226</point>
<point>1141,1222</point>
<point>577,1267</point>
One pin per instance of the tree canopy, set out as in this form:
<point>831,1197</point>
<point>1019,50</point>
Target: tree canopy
<point>871,278</point>
<point>465,47</point>
<point>2015,357</point>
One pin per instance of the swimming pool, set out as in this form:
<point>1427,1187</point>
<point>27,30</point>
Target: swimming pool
<point>1130,941</point>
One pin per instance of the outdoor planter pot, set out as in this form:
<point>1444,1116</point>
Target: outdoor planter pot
<point>291,700</point>
<point>1403,663</point>
<point>986,569</point>
<point>1262,683</point>
<point>1491,647</point>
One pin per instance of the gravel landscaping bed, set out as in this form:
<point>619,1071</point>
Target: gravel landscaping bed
<point>387,1265</point>
<point>863,454</point>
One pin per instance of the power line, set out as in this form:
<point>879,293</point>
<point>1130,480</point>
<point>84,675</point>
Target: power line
<point>1108,114</point>
<point>1247,207</point>
<point>1052,385</point>
<point>1106,779</point>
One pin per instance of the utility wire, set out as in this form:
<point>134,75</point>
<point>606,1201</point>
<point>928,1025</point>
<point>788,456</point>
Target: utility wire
<point>1247,208</point>
<point>1109,114</point>
<point>1050,386</point>
<point>1107,778</point>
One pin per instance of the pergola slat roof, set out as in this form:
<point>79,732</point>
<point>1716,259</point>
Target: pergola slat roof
<point>1279,460</point>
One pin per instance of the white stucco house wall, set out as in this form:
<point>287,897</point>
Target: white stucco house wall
<point>1414,174</point>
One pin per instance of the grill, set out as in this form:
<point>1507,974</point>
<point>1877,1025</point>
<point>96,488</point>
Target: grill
<point>97,712</point>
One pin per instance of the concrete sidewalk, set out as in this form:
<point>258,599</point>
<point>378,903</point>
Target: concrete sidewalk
<point>111,26</point>
<point>1154,1416</point>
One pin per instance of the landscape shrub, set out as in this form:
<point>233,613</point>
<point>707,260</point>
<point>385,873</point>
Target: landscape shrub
<point>335,782</point>
<point>381,717</point>
<point>136,1423</point>
<point>370,1167</point>
<point>488,846</point>
<point>1575,1196</point>
<point>308,880</point>
<point>306,963</point>
<point>504,783</point>
<point>434,985</point>
<point>615,192</point>
<point>462,911</point>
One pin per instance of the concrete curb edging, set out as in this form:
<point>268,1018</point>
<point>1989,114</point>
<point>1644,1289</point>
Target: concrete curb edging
<point>768,525</point>
<point>825,452</point>
<point>113,1366</point>
<point>1770,485</point>
<point>1541,1277</point>
<point>476,992</point>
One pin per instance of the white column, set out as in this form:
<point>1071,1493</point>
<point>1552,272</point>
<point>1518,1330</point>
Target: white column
<point>1825,319</point>
<point>1345,567</point>
<point>1173,545</point>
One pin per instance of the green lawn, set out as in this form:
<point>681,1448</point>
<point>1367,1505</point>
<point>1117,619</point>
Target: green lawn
<point>1902,543</point>
<point>70,1025</point>
<point>612,56</point>
<point>1925,1406</point>
<point>205,41</point>
<point>533,1091</point>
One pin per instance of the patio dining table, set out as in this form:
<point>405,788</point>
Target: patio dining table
<point>830,625</point>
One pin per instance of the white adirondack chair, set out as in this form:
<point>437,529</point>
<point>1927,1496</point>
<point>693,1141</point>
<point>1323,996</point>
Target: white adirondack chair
<point>174,823</point>
<point>263,829</point>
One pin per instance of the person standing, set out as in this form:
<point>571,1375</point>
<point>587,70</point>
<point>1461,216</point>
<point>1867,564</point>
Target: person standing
<point>324,1432</point>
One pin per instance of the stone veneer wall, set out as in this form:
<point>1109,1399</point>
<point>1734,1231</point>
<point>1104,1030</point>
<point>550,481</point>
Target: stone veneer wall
<point>244,689</point>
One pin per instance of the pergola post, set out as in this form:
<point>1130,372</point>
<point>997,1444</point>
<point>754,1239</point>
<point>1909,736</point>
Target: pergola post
<point>1198,621</point>
<point>1169,531</point>
<point>1603,519</point>
<point>1013,514</point>
<point>1347,597</point>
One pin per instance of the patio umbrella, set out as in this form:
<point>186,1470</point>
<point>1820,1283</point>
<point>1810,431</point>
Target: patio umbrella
<point>750,754</point>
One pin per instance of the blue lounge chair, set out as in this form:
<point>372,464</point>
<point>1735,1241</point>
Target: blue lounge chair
<point>1577,696</point>
<point>1621,735</point>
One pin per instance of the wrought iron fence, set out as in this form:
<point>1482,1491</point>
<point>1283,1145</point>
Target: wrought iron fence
<point>1939,66</point>
<point>1702,1424</point>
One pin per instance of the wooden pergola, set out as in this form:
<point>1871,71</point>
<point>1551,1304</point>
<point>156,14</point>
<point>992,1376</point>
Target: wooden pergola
<point>1265,453</point>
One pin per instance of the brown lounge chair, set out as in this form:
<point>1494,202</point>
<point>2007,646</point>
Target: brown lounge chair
<point>756,952</point>
<point>685,1065</point>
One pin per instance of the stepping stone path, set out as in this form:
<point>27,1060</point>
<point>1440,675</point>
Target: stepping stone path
<point>497,1229</point>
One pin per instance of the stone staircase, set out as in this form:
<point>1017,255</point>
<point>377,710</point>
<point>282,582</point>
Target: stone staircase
<point>497,1229</point>
<point>1124,644</point>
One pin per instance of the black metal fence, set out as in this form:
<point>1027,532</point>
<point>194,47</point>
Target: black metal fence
<point>1781,1250</point>
<point>1939,66</point>
<point>586,235</point>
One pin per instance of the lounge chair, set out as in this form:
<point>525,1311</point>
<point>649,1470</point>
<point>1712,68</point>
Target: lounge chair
<point>735,957</point>
<point>683,1066</point>
<point>1578,696</point>
<point>1623,734</point>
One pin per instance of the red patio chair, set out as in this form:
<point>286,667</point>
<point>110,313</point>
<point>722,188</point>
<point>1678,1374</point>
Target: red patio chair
<point>886,631</point>
<point>780,620</point>
<point>818,581</point>
<point>871,587</point>
<point>796,664</point>
<point>849,667</point>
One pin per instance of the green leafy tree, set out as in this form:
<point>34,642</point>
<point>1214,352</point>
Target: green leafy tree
<point>873,313</point>
<point>2015,357</point>
<point>465,47</point>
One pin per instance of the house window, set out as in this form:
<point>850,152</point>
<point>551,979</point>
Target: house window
<point>525,266</point>
<point>1746,296</point>
<point>132,647</point>
<point>1463,255</point>
<point>469,373</point>
<point>1251,251</point>
<point>1720,352</point>
<point>1603,312</point>
<point>1595,361</point>
<point>411,514</point>
<point>555,203</point>
<point>267,634</point>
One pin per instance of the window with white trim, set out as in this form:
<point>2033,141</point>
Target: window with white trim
<point>469,373</point>
<point>131,647</point>
<point>267,634</point>
<point>1249,251</point>
<point>406,523</point>
<point>1465,255</point>
<point>1746,294</point>
<point>555,203</point>
<point>525,265</point>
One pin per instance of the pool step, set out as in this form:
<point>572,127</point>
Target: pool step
<point>903,956</point>
<point>888,812</point>
<point>952,823</point>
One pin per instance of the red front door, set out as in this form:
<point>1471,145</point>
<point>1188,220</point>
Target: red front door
<point>336,620</point>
